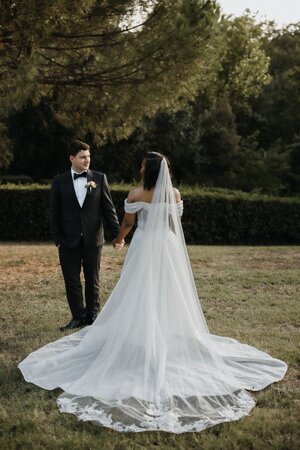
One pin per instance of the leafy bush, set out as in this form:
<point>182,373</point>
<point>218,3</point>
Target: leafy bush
<point>15,179</point>
<point>209,217</point>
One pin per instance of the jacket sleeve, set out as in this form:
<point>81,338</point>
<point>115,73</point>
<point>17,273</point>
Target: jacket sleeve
<point>109,215</point>
<point>55,209</point>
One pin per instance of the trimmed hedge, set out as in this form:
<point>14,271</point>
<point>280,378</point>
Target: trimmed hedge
<point>209,217</point>
<point>15,179</point>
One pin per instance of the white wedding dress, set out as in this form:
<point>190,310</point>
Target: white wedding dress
<point>149,362</point>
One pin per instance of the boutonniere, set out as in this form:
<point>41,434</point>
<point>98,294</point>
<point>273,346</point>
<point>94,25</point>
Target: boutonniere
<point>91,185</point>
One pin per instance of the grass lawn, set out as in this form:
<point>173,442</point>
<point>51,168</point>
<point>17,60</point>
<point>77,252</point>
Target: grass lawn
<point>248,293</point>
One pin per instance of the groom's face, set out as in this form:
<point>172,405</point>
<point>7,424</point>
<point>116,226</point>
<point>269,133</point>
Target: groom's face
<point>81,161</point>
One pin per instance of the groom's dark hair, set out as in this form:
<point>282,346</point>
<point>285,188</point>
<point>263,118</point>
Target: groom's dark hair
<point>152,166</point>
<point>76,146</point>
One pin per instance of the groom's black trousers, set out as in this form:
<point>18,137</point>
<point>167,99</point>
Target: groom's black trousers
<point>71,261</point>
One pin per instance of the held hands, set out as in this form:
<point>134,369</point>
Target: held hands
<point>118,245</point>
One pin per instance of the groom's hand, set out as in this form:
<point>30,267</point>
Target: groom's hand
<point>118,245</point>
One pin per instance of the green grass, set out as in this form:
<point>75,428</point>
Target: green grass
<point>248,293</point>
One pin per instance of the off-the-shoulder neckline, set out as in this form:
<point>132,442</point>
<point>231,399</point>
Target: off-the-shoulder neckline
<point>147,203</point>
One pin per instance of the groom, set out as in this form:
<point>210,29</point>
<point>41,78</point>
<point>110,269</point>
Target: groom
<point>80,205</point>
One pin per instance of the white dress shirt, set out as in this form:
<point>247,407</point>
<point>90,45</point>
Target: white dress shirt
<point>79,186</point>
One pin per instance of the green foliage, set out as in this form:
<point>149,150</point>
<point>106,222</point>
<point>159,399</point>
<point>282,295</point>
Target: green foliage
<point>209,217</point>
<point>6,155</point>
<point>97,69</point>
<point>40,142</point>
<point>216,218</point>
<point>269,126</point>
<point>219,145</point>
<point>262,170</point>
<point>294,152</point>
<point>239,129</point>
<point>15,179</point>
<point>243,61</point>
<point>202,140</point>
<point>280,100</point>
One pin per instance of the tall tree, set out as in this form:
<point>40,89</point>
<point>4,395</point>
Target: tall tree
<point>104,65</point>
<point>273,118</point>
<point>279,102</point>
<point>202,139</point>
<point>243,62</point>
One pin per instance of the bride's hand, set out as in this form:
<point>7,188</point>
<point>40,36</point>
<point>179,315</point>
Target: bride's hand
<point>118,245</point>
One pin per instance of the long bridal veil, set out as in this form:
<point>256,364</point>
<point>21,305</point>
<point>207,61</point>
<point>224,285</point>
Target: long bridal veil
<point>149,362</point>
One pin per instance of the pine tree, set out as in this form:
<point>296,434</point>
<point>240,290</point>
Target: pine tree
<point>104,65</point>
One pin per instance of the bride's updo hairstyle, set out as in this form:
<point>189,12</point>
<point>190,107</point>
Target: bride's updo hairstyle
<point>152,166</point>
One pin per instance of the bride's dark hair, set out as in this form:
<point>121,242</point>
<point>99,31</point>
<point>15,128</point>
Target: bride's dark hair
<point>152,166</point>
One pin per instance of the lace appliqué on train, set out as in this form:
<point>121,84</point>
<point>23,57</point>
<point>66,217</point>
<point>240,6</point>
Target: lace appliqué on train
<point>151,417</point>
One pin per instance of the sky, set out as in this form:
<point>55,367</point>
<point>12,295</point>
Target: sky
<point>283,12</point>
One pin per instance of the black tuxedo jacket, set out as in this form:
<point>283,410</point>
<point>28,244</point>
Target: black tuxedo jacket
<point>70,222</point>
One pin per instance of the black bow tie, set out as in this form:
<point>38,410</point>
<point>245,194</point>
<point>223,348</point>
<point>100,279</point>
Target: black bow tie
<point>78,175</point>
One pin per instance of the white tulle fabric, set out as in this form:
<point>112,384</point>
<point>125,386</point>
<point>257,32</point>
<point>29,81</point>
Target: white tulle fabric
<point>149,362</point>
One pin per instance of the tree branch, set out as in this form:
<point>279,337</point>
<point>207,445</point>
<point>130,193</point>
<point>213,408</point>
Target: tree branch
<point>109,33</point>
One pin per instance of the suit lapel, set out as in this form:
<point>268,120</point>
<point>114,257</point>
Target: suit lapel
<point>88,192</point>
<point>70,186</point>
<point>89,176</point>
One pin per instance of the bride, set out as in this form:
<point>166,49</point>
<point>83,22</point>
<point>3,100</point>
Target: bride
<point>149,362</point>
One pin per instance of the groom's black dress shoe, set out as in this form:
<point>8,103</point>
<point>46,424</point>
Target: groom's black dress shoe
<point>90,320</point>
<point>73,324</point>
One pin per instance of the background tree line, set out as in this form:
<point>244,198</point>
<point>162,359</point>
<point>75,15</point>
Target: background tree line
<point>220,96</point>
